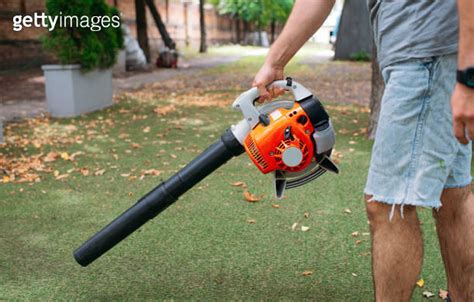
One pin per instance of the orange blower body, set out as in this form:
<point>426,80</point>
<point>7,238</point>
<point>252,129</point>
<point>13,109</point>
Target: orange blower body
<point>287,129</point>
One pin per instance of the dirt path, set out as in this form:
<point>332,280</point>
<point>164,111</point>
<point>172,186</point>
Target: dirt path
<point>23,93</point>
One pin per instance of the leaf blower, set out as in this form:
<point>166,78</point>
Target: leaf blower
<point>291,139</point>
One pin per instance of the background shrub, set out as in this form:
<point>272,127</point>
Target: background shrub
<point>77,45</point>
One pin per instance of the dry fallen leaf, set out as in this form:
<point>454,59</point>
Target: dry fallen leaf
<point>275,206</point>
<point>63,176</point>
<point>354,274</point>
<point>65,156</point>
<point>251,197</point>
<point>293,227</point>
<point>6,179</point>
<point>420,283</point>
<point>355,234</point>
<point>428,294</point>
<point>239,184</point>
<point>146,130</point>
<point>251,221</point>
<point>164,110</point>
<point>443,294</point>
<point>51,156</point>
<point>304,228</point>
<point>306,214</point>
<point>99,172</point>
<point>347,211</point>
<point>307,273</point>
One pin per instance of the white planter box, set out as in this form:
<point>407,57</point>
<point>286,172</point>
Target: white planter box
<point>71,92</point>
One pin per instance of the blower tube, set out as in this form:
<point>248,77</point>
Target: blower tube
<point>159,198</point>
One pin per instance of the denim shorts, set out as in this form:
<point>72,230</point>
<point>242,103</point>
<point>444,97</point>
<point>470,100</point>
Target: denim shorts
<point>415,154</point>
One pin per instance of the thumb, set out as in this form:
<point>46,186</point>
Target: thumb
<point>459,131</point>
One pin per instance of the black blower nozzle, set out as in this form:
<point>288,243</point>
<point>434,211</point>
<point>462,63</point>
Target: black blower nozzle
<point>159,198</point>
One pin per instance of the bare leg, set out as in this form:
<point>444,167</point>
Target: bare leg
<point>397,251</point>
<point>455,227</point>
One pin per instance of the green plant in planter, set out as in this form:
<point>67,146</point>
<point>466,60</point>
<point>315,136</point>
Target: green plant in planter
<point>89,35</point>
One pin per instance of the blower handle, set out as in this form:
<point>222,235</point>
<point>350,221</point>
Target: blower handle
<point>245,101</point>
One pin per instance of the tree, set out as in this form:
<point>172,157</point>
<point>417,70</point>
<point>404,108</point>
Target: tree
<point>161,26</point>
<point>202,23</point>
<point>259,13</point>
<point>375,95</point>
<point>355,34</point>
<point>142,33</point>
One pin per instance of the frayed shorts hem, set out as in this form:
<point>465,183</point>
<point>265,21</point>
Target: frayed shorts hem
<point>462,185</point>
<point>436,204</point>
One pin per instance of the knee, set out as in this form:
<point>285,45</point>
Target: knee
<point>379,213</point>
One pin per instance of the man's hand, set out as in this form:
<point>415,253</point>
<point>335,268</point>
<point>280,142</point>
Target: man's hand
<point>462,103</point>
<point>266,75</point>
<point>305,18</point>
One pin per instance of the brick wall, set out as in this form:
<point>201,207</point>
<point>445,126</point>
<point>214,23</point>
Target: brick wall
<point>18,49</point>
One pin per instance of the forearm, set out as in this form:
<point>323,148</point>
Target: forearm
<point>466,33</point>
<point>305,19</point>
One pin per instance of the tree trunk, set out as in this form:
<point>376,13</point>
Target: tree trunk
<point>375,95</point>
<point>161,26</point>
<point>355,33</point>
<point>238,32</point>
<point>202,23</point>
<point>142,34</point>
<point>272,28</point>
<point>246,30</point>
<point>23,7</point>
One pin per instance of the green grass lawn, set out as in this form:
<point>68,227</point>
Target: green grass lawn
<point>211,244</point>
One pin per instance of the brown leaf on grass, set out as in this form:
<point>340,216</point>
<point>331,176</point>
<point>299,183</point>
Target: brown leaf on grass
<point>6,179</point>
<point>146,130</point>
<point>51,156</point>
<point>251,221</point>
<point>355,234</point>
<point>136,146</point>
<point>347,211</point>
<point>239,184</point>
<point>164,110</point>
<point>73,156</point>
<point>275,206</point>
<point>153,172</point>
<point>62,176</point>
<point>307,273</point>
<point>84,171</point>
<point>443,294</point>
<point>251,197</point>
<point>99,172</point>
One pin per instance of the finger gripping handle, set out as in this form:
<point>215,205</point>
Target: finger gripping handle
<point>245,101</point>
